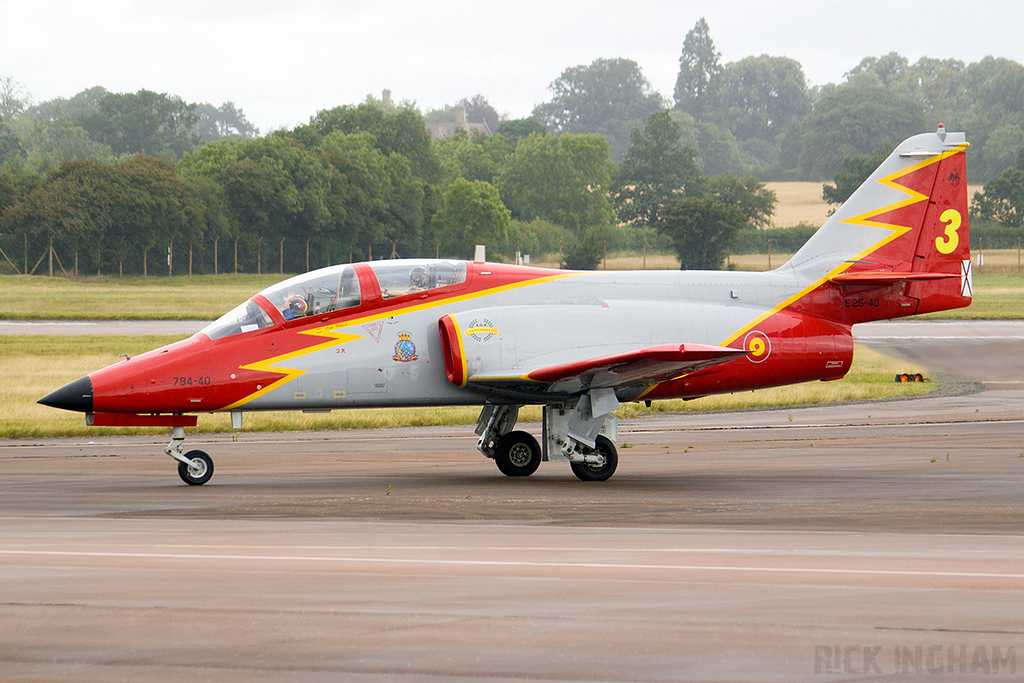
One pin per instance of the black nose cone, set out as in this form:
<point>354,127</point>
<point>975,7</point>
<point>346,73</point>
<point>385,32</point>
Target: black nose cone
<point>74,396</point>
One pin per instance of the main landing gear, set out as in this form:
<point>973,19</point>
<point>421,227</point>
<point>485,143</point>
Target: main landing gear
<point>571,433</point>
<point>195,467</point>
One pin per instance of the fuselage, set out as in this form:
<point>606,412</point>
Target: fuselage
<point>382,345</point>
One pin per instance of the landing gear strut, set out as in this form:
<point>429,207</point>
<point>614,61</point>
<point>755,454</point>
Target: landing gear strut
<point>572,433</point>
<point>195,467</point>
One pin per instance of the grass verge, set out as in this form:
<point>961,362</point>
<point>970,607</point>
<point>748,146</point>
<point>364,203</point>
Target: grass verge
<point>36,365</point>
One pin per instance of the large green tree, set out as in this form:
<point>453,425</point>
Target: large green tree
<point>701,230</point>
<point>656,169</point>
<point>145,122</point>
<point>752,197</point>
<point>698,85</point>
<point>398,130</point>
<point>10,145</point>
<point>761,95</point>
<point>939,84</point>
<point>851,119</point>
<point>562,179</point>
<point>473,157</point>
<point>273,187</point>
<point>515,130</point>
<point>14,98</point>
<point>56,139</point>
<point>472,214</point>
<point>607,96</point>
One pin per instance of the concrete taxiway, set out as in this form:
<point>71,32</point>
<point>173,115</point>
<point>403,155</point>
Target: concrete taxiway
<point>872,541</point>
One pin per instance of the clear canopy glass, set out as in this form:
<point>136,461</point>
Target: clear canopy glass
<point>319,291</point>
<point>242,318</point>
<point>408,276</point>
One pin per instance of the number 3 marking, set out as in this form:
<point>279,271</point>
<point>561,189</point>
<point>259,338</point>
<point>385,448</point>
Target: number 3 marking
<point>948,243</point>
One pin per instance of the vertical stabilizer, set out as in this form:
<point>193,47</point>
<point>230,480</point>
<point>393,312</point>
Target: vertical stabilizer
<point>902,236</point>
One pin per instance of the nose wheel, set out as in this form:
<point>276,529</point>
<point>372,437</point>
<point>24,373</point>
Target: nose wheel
<point>195,467</point>
<point>198,470</point>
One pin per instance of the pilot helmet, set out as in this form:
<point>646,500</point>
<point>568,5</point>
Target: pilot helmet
<point>418,277</point>
<point>297,305</point>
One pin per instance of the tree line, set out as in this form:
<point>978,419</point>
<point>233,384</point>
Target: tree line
<point>116,180</point>
<point>357,182</point>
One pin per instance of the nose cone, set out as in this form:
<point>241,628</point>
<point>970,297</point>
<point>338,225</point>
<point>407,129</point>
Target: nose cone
<point>75,396</point>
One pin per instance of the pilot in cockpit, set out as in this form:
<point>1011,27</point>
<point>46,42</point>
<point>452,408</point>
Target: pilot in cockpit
<point>418,279</point>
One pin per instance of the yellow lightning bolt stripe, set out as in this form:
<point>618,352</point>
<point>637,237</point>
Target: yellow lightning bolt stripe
<point>269,364</point>
<point>336,337</point>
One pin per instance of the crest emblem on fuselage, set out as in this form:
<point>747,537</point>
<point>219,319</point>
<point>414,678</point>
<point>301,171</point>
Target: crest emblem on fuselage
<point>481,330</point>
<point>405,349</point>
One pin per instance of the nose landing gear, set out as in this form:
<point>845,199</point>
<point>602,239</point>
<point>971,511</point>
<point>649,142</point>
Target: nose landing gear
<point>195,467</point>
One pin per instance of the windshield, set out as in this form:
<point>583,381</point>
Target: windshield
<point>398,278</point>
<point>243,318</point>
<point>320,291</point>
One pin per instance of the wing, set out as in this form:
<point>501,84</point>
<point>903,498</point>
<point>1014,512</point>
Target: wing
<point>648,365</point>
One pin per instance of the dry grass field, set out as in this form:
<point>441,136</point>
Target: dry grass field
<point>798,203</point>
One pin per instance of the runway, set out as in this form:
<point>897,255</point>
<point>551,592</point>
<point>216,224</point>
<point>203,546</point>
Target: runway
<point>873,541</point>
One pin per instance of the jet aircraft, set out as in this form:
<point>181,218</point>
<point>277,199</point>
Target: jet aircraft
<point>431,332</point>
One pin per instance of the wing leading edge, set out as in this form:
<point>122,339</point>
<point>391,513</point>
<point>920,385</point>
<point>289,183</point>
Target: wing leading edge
<point>648,365</point>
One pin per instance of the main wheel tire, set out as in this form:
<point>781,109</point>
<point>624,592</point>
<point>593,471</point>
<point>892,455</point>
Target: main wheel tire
<point>586,472</point>
<point>199,472</point>
<point>517,454</point>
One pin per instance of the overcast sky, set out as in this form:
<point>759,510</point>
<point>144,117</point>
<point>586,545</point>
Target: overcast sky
<point>281,61</point>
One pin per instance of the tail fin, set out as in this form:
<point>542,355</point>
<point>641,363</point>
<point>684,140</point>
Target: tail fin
<point>900,242</point>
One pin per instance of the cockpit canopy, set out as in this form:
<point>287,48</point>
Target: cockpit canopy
<point>336,288</point>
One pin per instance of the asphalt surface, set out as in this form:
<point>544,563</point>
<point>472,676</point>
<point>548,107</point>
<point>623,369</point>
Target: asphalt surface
<point>874,541</point>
